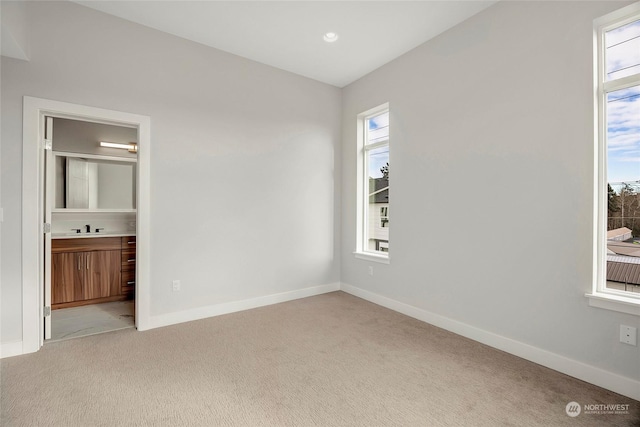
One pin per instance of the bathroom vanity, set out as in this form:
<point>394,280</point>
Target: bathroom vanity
<point>89,270</point>
<point>93,244</point>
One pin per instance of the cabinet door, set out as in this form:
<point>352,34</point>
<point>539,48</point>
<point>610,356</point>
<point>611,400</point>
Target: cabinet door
<point>103,274</point>
<point>67,277</point>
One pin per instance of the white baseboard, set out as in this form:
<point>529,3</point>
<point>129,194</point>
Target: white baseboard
<point>234,306</point>
<point>591,374</point>
<point>9,349</point>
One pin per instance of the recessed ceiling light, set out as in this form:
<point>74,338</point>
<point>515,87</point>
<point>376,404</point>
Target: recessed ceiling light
<point>330,37</point>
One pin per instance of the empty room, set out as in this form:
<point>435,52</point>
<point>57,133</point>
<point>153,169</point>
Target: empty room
<point>330,213</point>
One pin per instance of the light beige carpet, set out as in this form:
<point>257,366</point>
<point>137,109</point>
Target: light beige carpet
<point>330,360</point>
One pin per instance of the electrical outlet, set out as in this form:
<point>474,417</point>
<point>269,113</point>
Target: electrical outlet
<point>628,334</point>
<point>370,270</point>
<point>176,285</point>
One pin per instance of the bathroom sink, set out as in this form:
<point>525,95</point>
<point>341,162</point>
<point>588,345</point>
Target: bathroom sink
<point>85,234</point>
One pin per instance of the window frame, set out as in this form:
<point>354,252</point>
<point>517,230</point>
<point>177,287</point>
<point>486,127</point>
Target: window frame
<point>362,187</point>
<point>601,296</point>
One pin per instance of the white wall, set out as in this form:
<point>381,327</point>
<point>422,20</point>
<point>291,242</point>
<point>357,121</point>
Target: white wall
<point>492,158</point>
<point>14,41</point>
<point>244,163</point>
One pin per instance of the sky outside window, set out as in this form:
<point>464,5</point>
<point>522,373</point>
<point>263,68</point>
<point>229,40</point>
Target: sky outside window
<point>623,134</point>
<point>622,59</point>
<point>378,130</point>
<point>623,51</point>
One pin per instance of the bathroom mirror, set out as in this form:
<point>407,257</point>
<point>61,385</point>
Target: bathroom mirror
<point>91,183</point>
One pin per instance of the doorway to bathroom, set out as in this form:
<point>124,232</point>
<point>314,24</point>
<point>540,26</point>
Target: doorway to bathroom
<point>90,206</point>
<point>71,261</point>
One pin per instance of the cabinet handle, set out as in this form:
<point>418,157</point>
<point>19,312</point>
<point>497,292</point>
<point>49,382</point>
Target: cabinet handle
<point>78,256</point>
<point>131,283</point>
<point>88,261</point>
<point>131,243</point>
<point>131,260</point>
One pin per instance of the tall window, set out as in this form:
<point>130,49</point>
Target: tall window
<point>618,47</point>
<point>373,171</point>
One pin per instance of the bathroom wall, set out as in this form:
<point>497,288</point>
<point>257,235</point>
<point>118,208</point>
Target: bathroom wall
<point>77,136</point>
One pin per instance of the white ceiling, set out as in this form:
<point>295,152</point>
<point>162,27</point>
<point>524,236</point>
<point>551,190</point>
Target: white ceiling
<point>289,34</point>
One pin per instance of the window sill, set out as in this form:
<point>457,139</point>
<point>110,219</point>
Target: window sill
<point>382,259</point>
<point>614,302</point>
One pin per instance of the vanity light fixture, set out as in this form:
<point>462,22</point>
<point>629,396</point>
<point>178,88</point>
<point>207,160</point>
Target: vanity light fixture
<point>330,37</point>
<point>132,147</point>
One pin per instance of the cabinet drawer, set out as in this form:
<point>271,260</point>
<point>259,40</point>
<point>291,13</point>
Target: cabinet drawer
<point>129,278</point>
<point>128,290</point>
<point>128,257</point>
<point>87,244</point>
<point>128,266</point>
<point>128,242</point>
<point>128,284</point>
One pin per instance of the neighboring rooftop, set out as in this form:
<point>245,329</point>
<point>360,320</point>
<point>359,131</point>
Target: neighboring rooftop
<point>619,234</point>
<point>623,272</point>
<point>624,248</point>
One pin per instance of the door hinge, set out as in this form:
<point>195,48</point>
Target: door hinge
<point>46,228</point>
<point>47,311</point>
<point>47,144</point>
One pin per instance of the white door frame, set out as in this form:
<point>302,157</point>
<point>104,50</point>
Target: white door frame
<point>48,204</point>
<point>34,111</point>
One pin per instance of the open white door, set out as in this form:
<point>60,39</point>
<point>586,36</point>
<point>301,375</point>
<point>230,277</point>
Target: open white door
<point>49,176</point>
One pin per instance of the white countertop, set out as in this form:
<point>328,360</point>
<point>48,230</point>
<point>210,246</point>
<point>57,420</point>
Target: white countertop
<point>89,235</point>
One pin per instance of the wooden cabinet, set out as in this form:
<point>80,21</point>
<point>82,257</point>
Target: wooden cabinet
<point>79,276</point>
<point>103,275</point>
<point>128,265</point>
<point>86,271</point>
<point>67,277</point>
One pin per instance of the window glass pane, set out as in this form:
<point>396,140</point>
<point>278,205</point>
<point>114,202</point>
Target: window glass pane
<point>623,134</point>
<point>377,238</point>
<point>378,128</point>
<point>623,177</point>
<point>622,56</point>
<point>378,162</point>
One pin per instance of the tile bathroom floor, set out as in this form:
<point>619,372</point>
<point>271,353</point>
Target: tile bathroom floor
<point>91,319</point>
